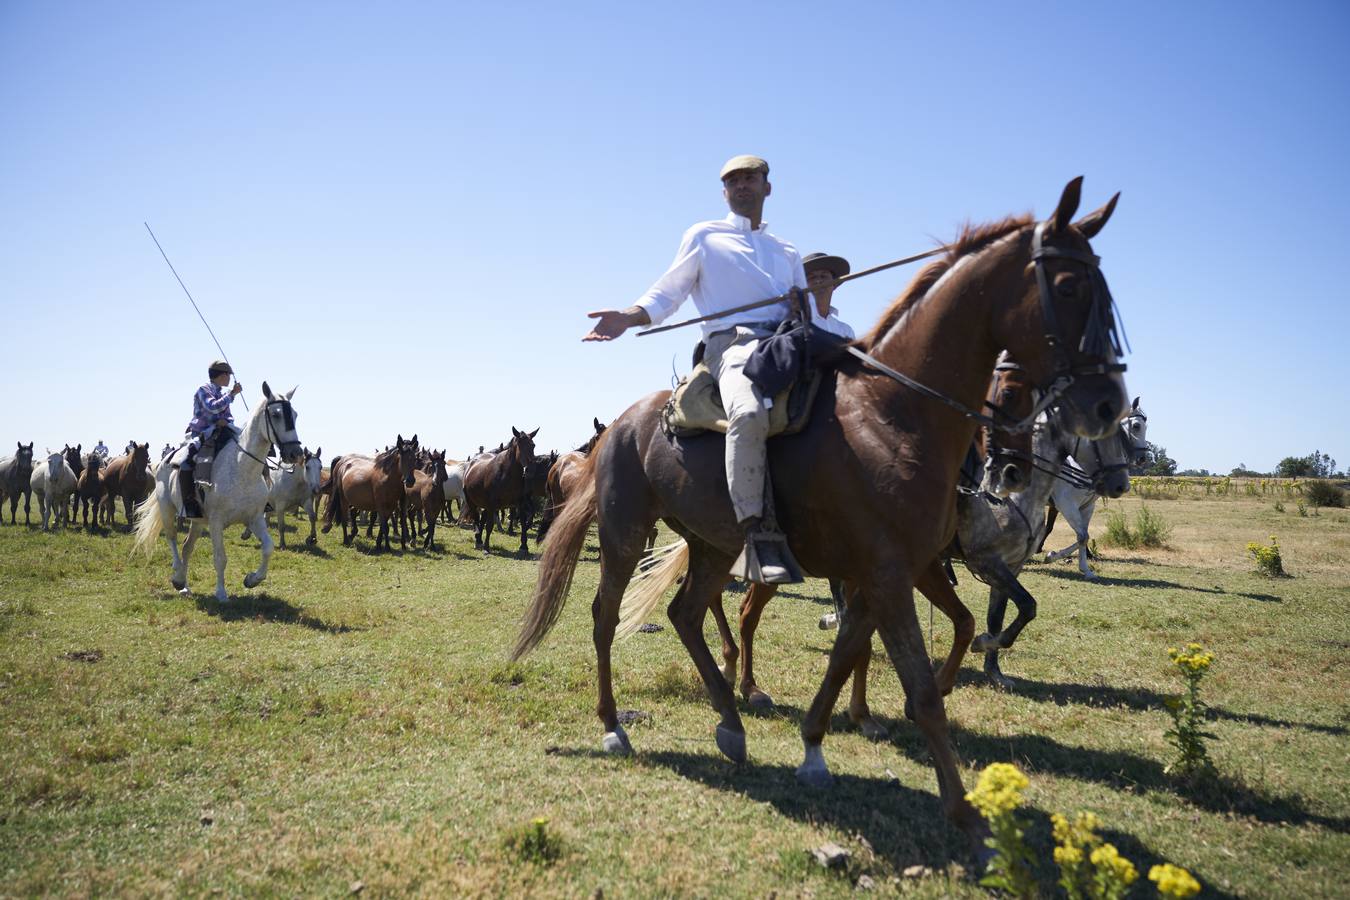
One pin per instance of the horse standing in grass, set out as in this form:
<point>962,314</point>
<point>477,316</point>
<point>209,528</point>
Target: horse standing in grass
<point>127,477</point>
<point>89,489</point>
<point>238,493</point>
<point>498,483</point>
<point>866,492</point>
<point>374,485</point>
<point>53,481</point>
<point>563,478</point>
<point>16,474</point>
<point>295,488</point>
<point>427,495</point>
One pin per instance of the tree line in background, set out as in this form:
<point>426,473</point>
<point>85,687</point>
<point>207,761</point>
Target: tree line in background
<point>1315,465</point>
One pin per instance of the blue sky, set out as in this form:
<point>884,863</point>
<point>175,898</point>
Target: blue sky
<point>407,209</point>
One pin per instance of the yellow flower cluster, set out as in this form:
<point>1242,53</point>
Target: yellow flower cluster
<point>1107,858</point>
<point>998,790</point>
<point>1173,881</point>
<point>1193,660</point>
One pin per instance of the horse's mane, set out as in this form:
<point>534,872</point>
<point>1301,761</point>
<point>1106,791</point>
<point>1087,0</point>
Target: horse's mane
<point>972,239</point>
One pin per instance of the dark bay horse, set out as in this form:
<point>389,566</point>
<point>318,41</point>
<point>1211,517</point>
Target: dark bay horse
<point>127,477</point>
<point>376,486</point>
<point>15,474</point>
<point>1005,458</point>
<point>426,497</point>
<point>495,484</point>
<point>866,492</point>
<point>89,489</point>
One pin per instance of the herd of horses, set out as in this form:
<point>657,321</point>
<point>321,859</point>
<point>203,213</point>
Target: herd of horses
<point>877,492</point>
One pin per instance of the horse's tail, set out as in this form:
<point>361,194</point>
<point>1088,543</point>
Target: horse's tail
<point>559,562</point>
<point>148,523</point>
<point>334,505</point>
<point>655,575</point>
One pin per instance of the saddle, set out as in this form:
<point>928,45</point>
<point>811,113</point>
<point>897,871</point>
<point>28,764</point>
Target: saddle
<point>695,406</point>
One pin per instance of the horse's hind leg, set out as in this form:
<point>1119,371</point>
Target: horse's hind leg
<point>253,579</point>
<point>935,586</point>
<point>617,562</point>
<point>752,606</point>
<point>707,575</point>
<point>899,627</point>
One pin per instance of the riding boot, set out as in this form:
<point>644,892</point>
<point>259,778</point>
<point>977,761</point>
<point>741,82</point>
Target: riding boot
<point>192,507</point>
<point>766,558</point>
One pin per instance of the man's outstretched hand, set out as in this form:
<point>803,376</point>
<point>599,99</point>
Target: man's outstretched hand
<point>614,322</point>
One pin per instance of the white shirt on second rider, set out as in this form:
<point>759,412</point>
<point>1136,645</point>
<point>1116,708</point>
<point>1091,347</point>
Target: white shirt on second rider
<point>831,323</point>
<point>723,264</point>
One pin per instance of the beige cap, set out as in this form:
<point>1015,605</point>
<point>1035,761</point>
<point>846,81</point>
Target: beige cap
<point>737,163</point>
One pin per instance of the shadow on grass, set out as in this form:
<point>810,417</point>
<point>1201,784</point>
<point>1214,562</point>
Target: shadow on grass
<point>1139,699</point>
<point>1119,770</point>
<point>1108,581</point>
<point>265,608</point>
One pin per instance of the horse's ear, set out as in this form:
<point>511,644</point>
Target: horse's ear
<point>318,453</point>
<point>514,433</point>
<point>1135,407</point>
<point>398,442</point>
<point>291,392</point>
<point>414,439</point>
<point>596,422</point>
<point>533,433</point>
<point>1068,205</point>
<point>267,391</point>
<point>1093,221</point>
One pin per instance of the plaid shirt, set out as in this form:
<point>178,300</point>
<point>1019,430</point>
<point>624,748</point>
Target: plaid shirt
<point>210,407</point>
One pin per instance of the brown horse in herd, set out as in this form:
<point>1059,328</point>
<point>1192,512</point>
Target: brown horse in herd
<point>499,482</point>
<point>89,489</point>
<point>427,494</point>
<point>127,477</point>
<point>376,486</point>
<point>563,476</point>
<point>866,492</point>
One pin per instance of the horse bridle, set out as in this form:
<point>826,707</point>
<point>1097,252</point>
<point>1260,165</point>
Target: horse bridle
<point>288,418</point>
<point>1099,336</point>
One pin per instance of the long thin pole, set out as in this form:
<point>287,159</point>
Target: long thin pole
<point>223,354</point>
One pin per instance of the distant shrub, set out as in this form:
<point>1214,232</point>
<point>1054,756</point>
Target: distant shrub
<point>1268,559</point>
<point>1302,509</point>
<point>1324,493</point>
<point>1279,506</point>
<point>534,843</point>
<point>1150,530</point>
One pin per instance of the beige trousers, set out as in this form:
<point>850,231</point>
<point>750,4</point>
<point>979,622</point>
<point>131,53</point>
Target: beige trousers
<point>747,419</point>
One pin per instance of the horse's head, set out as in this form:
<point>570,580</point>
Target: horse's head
<point>1102,460</point>
<point>279,417</point>
<point>1061,326</point>
<point>522,446</point>
<point>72,458</point>
<point>1008,454</point>
<point>313,470</point>
<point>1134,434</point>
<point>55,460</point>
<point>140,456</point>
<point>24,458</point>
<point>407,459</point>
<point>437,463</point>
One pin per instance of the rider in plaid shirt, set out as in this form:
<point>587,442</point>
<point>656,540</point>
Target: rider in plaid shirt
<point>210,410</point>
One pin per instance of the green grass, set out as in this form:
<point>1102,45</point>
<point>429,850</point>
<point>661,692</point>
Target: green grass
<point>355,720</point>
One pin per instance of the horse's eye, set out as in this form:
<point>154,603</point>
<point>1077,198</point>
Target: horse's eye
<point>1067,286</point>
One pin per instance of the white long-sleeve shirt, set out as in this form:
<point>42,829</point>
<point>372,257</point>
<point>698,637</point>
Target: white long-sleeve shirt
<point>723,264</point>
<point>831,322</point>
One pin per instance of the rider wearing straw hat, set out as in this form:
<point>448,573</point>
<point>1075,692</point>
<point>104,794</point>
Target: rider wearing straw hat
<point>723,264</point>
<point>210,411</point>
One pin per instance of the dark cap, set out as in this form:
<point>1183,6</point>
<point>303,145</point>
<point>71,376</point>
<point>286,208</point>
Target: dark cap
<point>220,367</point>
<point>835,265</point>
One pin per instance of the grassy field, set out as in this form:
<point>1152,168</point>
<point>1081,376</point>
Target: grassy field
<point>353,726</point>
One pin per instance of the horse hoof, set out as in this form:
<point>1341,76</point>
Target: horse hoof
<point>759,700</point>
<point>616,743</point>
<point>984,643</point>
<point>815,775</point>
<point>873,730</point>
<point>251,580</point>
<point>1000,681</point>
<point>311,541</point>
<point>180,586</point>
<point>731,743</point>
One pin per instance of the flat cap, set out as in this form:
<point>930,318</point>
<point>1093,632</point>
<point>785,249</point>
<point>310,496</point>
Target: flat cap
<point>835,265</point>
<point>737,163</point>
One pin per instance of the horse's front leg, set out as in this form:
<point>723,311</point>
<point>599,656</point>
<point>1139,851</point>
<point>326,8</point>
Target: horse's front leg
<point>752,606</point>
<point>524,530</point>
<point>935,586</point>
<point>169,527</point>
<point>253,579</point>
<point>218,551</point>
<point>311,511</point>
<point>854,638</point>
<point>281,524</point>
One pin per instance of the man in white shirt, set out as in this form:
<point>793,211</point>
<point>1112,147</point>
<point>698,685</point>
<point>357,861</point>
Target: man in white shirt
<point>823,272</point>
<point>723,264</point>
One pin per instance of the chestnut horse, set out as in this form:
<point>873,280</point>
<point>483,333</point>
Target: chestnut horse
<point>1006,458</point>
<point>866,492</point>
<point>374,485</point>
<point>498,483</point>
<point>128,477</point>
<point>563,477</point>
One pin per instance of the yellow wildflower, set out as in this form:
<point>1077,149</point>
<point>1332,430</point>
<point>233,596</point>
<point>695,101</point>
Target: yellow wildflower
<point>1068,856</point>
<point>1173,881</point>
<point>1106,857</point>
<point>998,790</point>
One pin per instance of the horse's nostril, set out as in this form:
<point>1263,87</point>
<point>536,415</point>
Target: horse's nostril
<point>1106,411</point>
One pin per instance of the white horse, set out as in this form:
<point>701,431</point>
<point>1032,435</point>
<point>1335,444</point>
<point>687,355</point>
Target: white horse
<point>237,496</point>
<point>295,488</point>
<point>454,485</point>
<point>1076,504</point>
<point>53,482</point>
